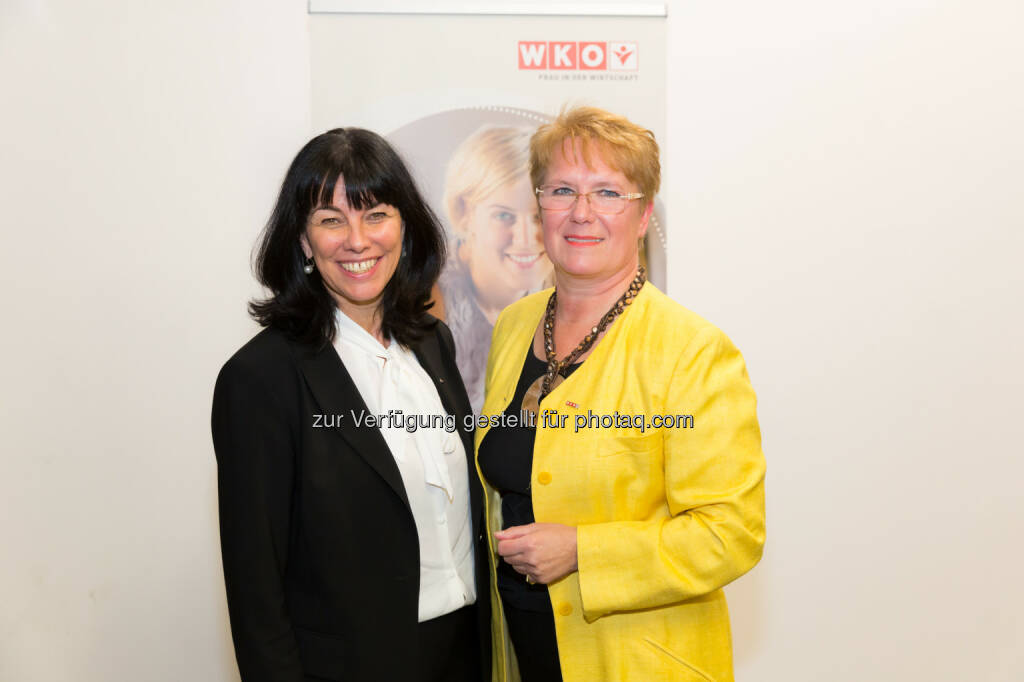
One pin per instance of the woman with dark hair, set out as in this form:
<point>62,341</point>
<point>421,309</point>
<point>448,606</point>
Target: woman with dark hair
<point>349,523</point>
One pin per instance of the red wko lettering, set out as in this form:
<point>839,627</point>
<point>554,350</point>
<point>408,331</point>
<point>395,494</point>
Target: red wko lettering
<point>577,55</point>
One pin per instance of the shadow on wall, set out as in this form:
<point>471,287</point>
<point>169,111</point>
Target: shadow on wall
<point>748,613</point>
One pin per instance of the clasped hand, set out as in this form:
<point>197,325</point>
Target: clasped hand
<point>543,552</point>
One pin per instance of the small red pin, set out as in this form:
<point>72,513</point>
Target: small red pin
<point>571,403</point>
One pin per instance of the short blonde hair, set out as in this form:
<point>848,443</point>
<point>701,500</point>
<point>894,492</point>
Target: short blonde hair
<point>487,160</point>
<point>625,146</point>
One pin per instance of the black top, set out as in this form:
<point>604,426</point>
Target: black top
<point>506,460</point>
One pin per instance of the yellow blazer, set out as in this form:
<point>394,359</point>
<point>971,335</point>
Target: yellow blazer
<point>665,516</point>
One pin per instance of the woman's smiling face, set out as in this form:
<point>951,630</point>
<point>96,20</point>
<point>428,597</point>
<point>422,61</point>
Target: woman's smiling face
<point>504,249</point>
<point>581,242</point>
<point>355,251</point>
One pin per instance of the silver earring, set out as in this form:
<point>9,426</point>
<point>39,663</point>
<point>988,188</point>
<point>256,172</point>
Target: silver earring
<point>308,267</point>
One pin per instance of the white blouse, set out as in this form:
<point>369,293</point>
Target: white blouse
<point>431,460</point>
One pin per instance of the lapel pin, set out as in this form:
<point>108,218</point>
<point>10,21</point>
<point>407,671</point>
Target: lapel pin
<point>571,403</point>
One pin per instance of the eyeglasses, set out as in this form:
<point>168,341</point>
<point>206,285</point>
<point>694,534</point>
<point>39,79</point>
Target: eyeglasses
<point>606,201</point>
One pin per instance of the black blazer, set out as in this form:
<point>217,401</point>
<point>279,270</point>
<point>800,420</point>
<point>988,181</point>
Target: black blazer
<point>320,551</point>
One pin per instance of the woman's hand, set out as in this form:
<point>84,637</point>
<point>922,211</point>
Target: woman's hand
<point>543,552</point>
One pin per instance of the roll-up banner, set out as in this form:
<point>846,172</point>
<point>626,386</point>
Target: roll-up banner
<point>458,88</point>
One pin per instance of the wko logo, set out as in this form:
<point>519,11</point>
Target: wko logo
<point>582,56</point>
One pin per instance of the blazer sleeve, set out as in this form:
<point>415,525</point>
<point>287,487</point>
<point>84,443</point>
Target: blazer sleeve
<point>253,440</point>
<point>714,488</point>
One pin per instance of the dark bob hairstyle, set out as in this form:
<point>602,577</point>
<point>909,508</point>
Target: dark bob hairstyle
<point>373,173</point>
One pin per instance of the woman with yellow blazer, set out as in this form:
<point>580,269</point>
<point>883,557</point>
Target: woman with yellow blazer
<point>621,459</point>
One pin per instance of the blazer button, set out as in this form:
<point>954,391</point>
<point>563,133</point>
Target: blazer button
<point>544,478</point>
<point>565,609</point>
<point>441,379</point>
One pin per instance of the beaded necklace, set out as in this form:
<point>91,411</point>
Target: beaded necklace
<point>553,376</point>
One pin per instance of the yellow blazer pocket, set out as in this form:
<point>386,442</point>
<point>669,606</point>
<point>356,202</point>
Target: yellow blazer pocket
<point>688,671</point>
<point>626,441</point>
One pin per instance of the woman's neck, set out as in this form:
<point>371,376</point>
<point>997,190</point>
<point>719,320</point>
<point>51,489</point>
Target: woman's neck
<point>366,316</point>
<point>581,304</point>
<point>492,300</point>
<point>583,301</point>
<point>491,308</point>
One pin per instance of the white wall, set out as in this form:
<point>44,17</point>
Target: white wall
<point>847,178</point>
<point>850,181</point>
<point>140,149</point>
